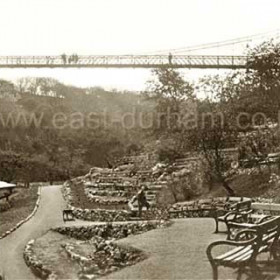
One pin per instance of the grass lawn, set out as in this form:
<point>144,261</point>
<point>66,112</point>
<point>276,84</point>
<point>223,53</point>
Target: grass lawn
<point>23,203</point>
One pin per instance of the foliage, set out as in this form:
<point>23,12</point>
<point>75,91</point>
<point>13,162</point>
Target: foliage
<point>264,78</point>
<point>34,148</point>
<point>170,92</point>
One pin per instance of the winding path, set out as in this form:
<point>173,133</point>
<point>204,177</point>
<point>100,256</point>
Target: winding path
<point>48,215</point>
<point>176,252</point>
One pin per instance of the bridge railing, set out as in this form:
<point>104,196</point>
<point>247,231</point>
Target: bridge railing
<point>186,61</point>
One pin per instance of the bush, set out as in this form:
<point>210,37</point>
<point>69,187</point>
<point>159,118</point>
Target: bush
<point>167,154</point>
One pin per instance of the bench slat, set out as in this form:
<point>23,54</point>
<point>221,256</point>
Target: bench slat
<point>244,256</point>
<point>231,252</point>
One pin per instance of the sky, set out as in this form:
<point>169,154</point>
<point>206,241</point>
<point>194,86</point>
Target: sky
<point>89,27</point>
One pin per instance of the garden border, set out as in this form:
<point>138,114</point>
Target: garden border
<point>27,218</point>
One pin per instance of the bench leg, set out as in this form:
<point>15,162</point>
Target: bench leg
<point>228,231</point>
<point>241,271</point>
<point>217,226</point>
<point>229,236</point>
<point>256,272</point>
<point>215,272</point>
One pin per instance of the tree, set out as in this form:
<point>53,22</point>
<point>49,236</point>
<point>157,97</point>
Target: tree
<point>216,129</point>
<point>169,91</point>
<point>264,78</point>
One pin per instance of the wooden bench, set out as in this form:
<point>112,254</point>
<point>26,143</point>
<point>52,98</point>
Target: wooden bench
<point>232,200</point>
<point>266,208</point>
<point>68,215</point>
<point>223,204</point>
<point>237,212</point>
<point>219,202</point>
<point>260,212</point>
<point>263,238</point>
<point>206,207</point>
<point>234,228</point>
<point>184,209</point>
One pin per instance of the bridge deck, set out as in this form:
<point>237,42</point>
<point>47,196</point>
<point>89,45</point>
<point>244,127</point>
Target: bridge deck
<point>124,61</point>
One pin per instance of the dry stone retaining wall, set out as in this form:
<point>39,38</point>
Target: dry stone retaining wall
<point>102,215</point>
<point>35,264</point>
<point>107,257</point>
<point>202,207</point>
<point>108,230</point>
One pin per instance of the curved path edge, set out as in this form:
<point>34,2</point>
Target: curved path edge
<point>27,218</point>
<point>48,214</point>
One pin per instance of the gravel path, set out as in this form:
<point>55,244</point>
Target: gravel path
<point>176,252</point>
<point>49,214</point>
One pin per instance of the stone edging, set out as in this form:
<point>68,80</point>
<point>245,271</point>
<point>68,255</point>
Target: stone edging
<point>96,235</point>
<point>110,230</point>
<point>202,207</point>
<point>93,214</point>
<point>27,218</point>
<point>35,264</point>
<point>114,260</point>
<point>102,215</point>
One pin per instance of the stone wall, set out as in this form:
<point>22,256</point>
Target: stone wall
<point>102,215</point>
<point>35,264</point>
<point>108,230</point>
<point>202,207</point>
<point>106,257</point>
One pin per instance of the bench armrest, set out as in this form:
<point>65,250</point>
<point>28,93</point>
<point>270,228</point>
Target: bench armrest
<point>241,225</point>
<point>226,242</point>
<point>232,225</point>
<point>247,212</point>
<point>237,214</point>
<point>225,215</point>
<point>228,215</point>
<point>264,218</point>
<point>245,231</point>
<point>231,206</point>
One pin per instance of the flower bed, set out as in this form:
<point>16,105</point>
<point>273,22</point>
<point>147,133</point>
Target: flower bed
<point>101,215</point>
<point>91,249</point>
<point>107,257</point>
<point>35,264</point>
<point>95,191</point>
<point>106,199</point>
<point>109,231</point>
<point>67,258</point>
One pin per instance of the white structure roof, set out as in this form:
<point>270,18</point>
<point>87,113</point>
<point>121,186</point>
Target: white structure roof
<point>5,185</point>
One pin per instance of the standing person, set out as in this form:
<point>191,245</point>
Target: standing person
<point>170,58</point>
<point>64,58</point>
<point>141,199</point>
<point>75,58</point>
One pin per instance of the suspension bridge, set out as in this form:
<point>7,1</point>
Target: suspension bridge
<point>125,61</point>
<point>172,58</point>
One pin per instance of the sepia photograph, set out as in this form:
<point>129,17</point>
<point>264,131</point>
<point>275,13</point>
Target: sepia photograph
<point>139,140</point>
